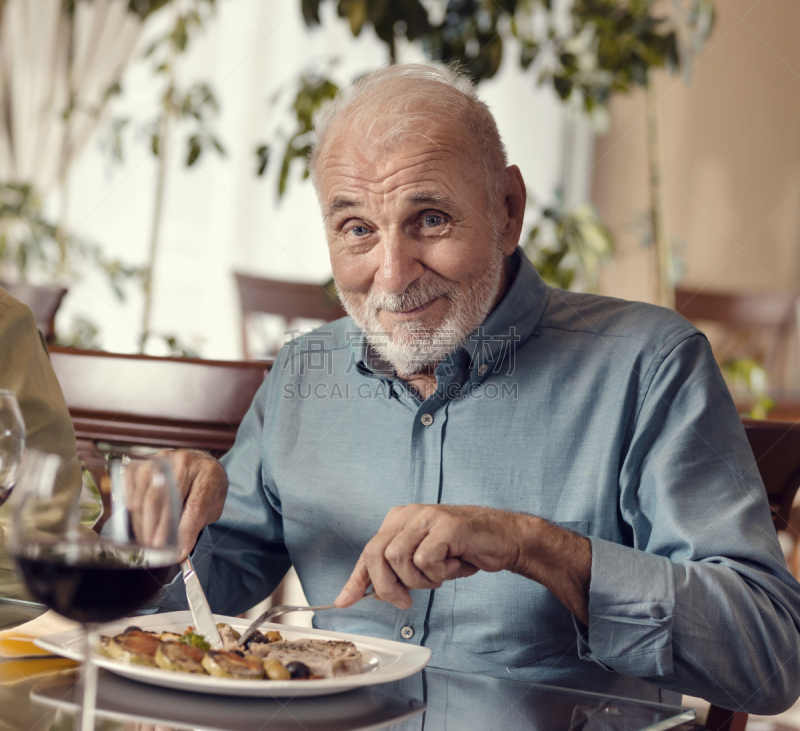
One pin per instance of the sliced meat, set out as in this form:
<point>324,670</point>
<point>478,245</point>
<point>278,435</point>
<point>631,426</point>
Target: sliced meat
<point>325,658</point>
<point>229,637</point>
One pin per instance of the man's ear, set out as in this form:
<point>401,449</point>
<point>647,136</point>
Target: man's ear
<point>513,201</point>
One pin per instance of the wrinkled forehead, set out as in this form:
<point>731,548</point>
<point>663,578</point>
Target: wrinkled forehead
<point>376,149</point>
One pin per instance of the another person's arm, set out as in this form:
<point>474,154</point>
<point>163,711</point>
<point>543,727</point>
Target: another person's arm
<point>25,369</point>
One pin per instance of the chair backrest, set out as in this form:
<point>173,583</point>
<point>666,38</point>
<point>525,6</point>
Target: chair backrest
<point>290,300</point>
<point>119,402</point>
<point>776,447</point>
<point>43,300</point>
<point>757,326</point>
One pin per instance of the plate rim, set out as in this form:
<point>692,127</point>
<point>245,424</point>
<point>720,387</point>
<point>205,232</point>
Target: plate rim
<point>408,659</point>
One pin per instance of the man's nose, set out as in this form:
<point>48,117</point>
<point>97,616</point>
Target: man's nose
<point>399,265</point>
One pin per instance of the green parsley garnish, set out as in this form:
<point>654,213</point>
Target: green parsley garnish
<point>195,640</point>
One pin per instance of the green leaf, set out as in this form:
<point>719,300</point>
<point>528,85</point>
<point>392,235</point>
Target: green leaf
<point>217,145</point>
<point>356,13</point>
<point>262,153</point>
<point>195,148</point>
<point>179,35</point>
<point>143,8</point>
<point>310,10</point>
<point>563,86</point>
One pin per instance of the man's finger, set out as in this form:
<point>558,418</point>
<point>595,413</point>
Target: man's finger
<point>384,580</point>
<point>355,587</point>
<point>400,556</point>
<point>193,520</point>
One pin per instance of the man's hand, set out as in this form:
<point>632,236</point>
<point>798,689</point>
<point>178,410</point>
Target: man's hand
<point>203,485</point>
<point>422,546</point>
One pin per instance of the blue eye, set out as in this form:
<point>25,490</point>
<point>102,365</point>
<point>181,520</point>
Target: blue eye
<point>359,230</point>
<point>432,220</point>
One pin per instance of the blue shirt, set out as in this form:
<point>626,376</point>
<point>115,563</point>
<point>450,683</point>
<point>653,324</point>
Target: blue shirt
<point>607,417</point>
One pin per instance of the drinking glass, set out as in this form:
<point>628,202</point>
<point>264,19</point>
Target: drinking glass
<point>12,442</point>
<point>91,578</point>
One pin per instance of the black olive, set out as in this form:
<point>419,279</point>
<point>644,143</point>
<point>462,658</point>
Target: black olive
<point>132,629</point>
<point>257,637</point>
<point>238,653</point>
<point>298,670</point>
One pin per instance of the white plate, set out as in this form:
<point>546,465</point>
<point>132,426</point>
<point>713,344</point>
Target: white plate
<point>384,660</point>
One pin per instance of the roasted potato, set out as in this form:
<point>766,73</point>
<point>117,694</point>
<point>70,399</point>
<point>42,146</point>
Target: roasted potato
<point>230,665</point>
<point>180,657</point>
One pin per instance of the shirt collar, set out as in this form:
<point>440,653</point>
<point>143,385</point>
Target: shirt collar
<point>510,323</point>
<point>508,326</point>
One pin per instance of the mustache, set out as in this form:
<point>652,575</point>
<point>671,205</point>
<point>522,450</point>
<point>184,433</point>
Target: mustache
<point>417,295</point>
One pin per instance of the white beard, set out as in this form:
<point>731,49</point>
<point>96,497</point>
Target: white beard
<point>412,346</point>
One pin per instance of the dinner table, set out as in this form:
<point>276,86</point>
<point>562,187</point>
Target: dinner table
<point>43,695</point>
<point>431,699</point>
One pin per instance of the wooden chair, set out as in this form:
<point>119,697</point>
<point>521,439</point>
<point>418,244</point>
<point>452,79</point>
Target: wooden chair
<point>43,300</point>
<point>755,326</point>
<point>290,300</point>
<point>122,403</point>
<point>776,448</point>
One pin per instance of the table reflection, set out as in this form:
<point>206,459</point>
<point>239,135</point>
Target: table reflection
<point>432,699</point>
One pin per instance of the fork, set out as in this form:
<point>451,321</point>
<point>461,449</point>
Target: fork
<point>285,609</point>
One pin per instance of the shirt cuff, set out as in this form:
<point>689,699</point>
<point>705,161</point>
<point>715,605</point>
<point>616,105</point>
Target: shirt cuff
<point>631,610</point>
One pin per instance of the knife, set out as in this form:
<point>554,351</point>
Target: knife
<point>198,605</point>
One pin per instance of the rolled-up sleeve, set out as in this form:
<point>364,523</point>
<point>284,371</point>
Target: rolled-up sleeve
<point>700,597</point>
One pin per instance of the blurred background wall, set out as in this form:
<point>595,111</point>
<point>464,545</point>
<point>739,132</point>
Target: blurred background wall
<point>731,144</point>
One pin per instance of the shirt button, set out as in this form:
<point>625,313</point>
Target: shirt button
<point>482,369</point>
<point>426,420</point>
<point>407,633</point>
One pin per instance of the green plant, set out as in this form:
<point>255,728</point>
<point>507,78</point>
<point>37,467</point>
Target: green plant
<point>313,92</point>
<point>193,105</point>
<point>749,376</point>
<point>598,49</point>
<point>32,246</point>
<point>568,247</point>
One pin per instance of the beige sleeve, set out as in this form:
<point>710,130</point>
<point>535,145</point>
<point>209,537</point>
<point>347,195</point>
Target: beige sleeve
<point>25,369</point>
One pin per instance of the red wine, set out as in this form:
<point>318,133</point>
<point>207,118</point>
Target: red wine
<point>91,583</point>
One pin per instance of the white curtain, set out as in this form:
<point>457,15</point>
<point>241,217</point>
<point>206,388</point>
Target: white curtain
<point>46,57</point>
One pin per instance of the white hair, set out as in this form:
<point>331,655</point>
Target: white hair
<point>401,94</point>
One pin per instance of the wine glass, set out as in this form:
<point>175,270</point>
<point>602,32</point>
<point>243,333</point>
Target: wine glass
<point>12,442</point>
<point>86,577</point>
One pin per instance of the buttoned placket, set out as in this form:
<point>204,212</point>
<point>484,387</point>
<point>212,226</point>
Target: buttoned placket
<point>427,437</point>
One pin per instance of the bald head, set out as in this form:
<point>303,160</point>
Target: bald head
<point>387,106</point>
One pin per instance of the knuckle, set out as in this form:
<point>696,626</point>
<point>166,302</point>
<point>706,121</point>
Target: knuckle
<point>422,560</point>
<point>370,553</point>
<point>393,554</point>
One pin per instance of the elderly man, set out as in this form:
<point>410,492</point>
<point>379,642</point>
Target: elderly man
<point>539,484</point>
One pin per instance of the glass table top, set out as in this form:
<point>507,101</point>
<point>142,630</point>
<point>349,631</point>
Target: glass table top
<point>431,699</point>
